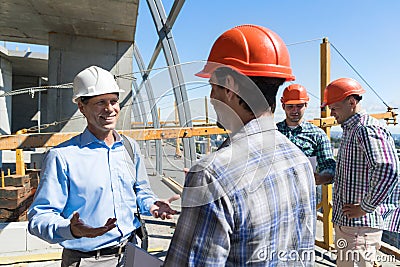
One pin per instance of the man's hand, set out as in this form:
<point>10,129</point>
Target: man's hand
<point>323,178</point>
<point>353,211</point>
<point>162,208</point>
<point>80,229</point>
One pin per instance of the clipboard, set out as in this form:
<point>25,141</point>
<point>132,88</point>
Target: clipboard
<point>138,257</point>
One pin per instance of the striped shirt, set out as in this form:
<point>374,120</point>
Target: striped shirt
<point>313,142</point>
<point>252,203</point>
<point>367,173</point>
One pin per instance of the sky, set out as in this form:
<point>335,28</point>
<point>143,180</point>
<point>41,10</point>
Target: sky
<point>365,32</point>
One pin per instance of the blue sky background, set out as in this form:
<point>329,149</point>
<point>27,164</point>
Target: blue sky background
<point>365,32</point>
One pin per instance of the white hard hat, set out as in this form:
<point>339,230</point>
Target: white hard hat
<point>94,81</point>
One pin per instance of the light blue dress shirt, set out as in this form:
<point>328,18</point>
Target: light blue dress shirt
<point>83,174</point>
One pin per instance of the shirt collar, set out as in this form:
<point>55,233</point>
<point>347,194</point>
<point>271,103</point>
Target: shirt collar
<point>261,124</point>
<point>298,127</point>
<point>350,122</point>
<point>87,138</point>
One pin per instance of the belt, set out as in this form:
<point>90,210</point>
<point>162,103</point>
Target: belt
<point>115,250</point>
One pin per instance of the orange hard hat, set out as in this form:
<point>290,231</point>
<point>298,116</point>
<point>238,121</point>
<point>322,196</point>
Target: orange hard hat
<point>341,88</point>
<point>252,50</point>
<point>295,94</point>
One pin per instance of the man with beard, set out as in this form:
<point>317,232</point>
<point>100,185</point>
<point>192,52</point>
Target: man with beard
<point>252,202</point>
<point>309,138</point>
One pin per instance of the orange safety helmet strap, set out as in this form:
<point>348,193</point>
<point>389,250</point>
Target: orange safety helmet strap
<point>252,50</point>
<point>341,88</point>
<point>295,94</point>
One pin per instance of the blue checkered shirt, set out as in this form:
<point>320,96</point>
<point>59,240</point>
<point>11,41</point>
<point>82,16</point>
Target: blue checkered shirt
<point>250,203</point>
<point>367,172</point>
<point>313,142</point>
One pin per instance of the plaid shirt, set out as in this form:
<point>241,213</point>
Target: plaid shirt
<point>313,142</point>
<point>367,173</point>
<point>252,203</point>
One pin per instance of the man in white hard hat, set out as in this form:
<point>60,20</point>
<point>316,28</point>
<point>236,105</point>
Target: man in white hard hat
<point>90,185</point>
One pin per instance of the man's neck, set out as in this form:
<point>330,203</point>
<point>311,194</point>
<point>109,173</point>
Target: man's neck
<point>110,139</point>
<point>107,136</point>
<point>293,124</point>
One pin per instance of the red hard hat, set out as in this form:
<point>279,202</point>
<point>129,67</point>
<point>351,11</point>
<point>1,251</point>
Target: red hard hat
<point>295,94</point>
<point>341,88</point>
<point>252,50</point>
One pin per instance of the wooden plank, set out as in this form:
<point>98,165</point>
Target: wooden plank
<point>25,141</point>
<point>14,203</point>
<point>174,185</point>
<point>34,177</point>
<point>30,258</point>
<point>15,192</point>
<point>16,180</point>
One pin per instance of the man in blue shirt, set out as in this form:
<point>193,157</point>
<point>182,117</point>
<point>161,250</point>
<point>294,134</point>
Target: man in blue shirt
<point>90,187</point>
<point>312,140</point>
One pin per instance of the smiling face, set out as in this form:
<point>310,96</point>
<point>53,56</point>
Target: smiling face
<point>294,113</point>
<point>102,113</point>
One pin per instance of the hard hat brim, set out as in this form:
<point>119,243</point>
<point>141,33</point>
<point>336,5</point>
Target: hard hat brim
<point>75,100</point>
<point>294,102</point>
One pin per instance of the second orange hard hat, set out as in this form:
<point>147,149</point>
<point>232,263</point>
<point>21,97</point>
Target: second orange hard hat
<point>341,88</point>
<point>295,94</point>
<point>252,50</point>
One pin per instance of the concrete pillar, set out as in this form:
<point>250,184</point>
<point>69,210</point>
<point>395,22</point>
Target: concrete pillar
<point>68,55</point>
<point>25,106</point>
<point>5,102</point>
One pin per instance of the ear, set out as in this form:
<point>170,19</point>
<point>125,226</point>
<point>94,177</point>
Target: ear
<point>283,106</point>
<point>81,107</point>
<point>230,82</point>
<point>231,87</point>
<point>229,94</point>
<point>353,102</point>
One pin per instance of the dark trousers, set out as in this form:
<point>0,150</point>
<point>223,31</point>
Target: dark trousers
<point>75,258</point>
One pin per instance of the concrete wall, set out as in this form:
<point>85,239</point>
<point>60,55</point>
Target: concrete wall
<point>5,102</point>
<point>18,240</point>
<point>68,55</point>
<point>25,106</point>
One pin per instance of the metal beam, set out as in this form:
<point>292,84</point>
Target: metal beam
<point>173,14</point>
<point>152,103</point>
<point>171,55</point>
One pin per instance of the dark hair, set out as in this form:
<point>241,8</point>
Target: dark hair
<point>85,99</point>
<point>250,88</point>
<point>357,97</point>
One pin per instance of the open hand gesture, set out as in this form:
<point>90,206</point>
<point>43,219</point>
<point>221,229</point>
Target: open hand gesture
<point>80,229</point>
<point>162,208</point>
